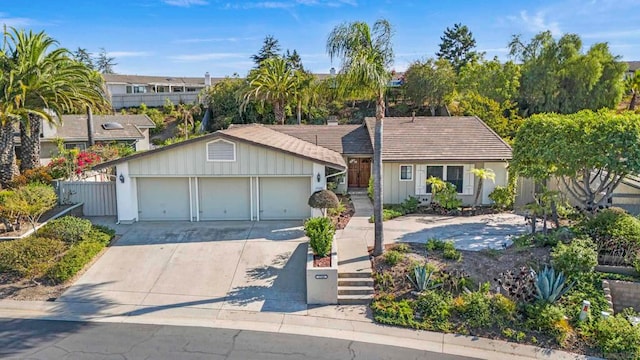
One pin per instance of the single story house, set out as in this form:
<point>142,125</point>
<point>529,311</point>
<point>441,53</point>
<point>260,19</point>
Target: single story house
<point>259,172</point>
<point>132,130</point>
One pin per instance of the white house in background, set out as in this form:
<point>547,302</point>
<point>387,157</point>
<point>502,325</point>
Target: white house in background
<point>631,70</point>
<point>256,172</point>
<point>132,90</point>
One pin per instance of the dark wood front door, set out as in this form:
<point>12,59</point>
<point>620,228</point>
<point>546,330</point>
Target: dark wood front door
<point>359,172</point>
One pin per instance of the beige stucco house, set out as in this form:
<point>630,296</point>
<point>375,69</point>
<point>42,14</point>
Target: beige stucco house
<point>257,172</point>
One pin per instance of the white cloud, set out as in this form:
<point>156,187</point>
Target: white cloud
<point>185,3</point>
<point>122,54</point>
<point>5,19</point>
<point>206,57</point>
<point>536,23</point>
<point>222,39</point>
<point>610,35</point>
<point>288,4</point>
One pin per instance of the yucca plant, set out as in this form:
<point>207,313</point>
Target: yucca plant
<point>551,285</point>
<point>421,279</point>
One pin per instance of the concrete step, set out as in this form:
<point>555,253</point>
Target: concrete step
<point>355,290</point>
<point>360,275</point>
<point>355,299</point>
<point>355,282</point>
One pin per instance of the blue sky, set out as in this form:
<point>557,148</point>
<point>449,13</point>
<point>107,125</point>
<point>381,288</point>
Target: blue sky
<point>189,37</point>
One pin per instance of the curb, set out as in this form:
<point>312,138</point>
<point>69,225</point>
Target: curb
<point>318,326</point>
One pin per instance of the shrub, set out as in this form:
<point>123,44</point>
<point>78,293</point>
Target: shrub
<point>106,230</point>
<point>74,260</point>
<point>320,231</point>
<point>410,205</point>
<point>447,196</point>
<point>339,209</point>
<point>450,252</point>
<point>29,257</point>
<point>402,247</point>
<point>578,257</point>
<point>323,199</point>
<point>548,318</point>
<point>39,175</point>
<point>387,310</point>
<point>503,197</point>
<point>69,229</point>
<point>370,188</point>
<point>617,338</point>
<point>474,308</point>
<point>434,244</point>
<point>503,309</point>
<point>613,230</point>
<point>387,214</point>
<point>393,257</point>
<point>31,201</point>
<point>434,308</point>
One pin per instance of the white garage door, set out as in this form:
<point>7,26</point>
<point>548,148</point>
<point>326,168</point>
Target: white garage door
<point>163,198</point>
<point>224,198</point>
<point>284,198</point>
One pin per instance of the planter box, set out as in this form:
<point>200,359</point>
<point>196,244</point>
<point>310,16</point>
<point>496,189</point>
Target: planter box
<point>622,270</point>
<point>322,283</point>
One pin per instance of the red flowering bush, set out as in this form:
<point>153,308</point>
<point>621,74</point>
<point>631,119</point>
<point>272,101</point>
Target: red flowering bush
<point>85,161</point>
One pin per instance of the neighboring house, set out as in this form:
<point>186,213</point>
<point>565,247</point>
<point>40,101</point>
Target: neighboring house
<point>132,130</point>
<point>257,172</point>
<point>631,70</point>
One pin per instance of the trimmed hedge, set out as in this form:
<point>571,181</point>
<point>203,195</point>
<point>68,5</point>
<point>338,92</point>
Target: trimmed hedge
<point>74,260</point>
<point>30,257</point>
<point>69,229</point>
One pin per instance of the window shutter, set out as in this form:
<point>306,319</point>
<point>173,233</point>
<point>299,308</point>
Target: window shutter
<point>221,151</point>
<point>421,179</point>
<point>467,185</point>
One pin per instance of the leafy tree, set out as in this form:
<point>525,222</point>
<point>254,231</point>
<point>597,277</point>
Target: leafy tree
<point>223,99</point>
<point>273,83</point>
<point>84,56</point>
<point>270,49</point>
<point>589,152</point>
<point>557,77</point>
<point>430,83</point>
<point>491,112</point>
<point>366,54</point>
<point>105,63</point>
<point>458,47</point>
<point>490,79</point>
<point>482,175</point>
<point>186,113</point>
<point>31,201</point>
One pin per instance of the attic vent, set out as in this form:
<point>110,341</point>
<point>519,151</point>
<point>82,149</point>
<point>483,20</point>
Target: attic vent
<point>221,150</point>
<point>112,126</point>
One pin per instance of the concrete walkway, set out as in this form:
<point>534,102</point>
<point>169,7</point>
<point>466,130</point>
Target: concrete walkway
<point>353,256</point>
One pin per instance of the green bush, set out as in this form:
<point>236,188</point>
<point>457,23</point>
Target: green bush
<point>69,229</point>
<point>503,309</point>
<point>450,252</point>
<point>387,214</point>
<point>106,230</point>
<point>548,318</point>
<point>29,257</point>
<point>435,244</point>
<point>74,260</point>
<point>614,230</point>
<point>448,197</point>
<point>387,310</point>
<point>410,205</point>
<point>434,308</point>
<point>617,338</point>
<point>370,188</point>
<point>503,197</point>
<point>578,257</point>
<point>474,308</point>
<point>402,248</point>
<point>320,231</point>
<point>392,257</point>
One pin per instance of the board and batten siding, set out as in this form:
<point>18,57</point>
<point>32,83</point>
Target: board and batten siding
<point>191,160</point>
<point>396,191</point>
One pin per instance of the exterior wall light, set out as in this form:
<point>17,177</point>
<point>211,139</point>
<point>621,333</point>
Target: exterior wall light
<point>318,177</point>
<point>121,178</point>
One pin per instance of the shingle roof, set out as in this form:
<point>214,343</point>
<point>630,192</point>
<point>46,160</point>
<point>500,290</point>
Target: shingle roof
<point>159,80</point>
<point>74,127</point>
<point>439,138</point>
<point>633,65</point>
<point>344,139</point>
<point>258,135</point>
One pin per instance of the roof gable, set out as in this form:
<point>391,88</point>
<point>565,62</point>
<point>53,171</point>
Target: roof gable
<point>344,139</point>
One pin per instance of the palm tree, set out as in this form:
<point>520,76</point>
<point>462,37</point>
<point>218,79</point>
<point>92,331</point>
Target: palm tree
<point>10,96</point>
<point>186,113</point>
<point>52,83</point>
<point>633,84</point>
<point>366,55</point>
<point>273,82</point>
<point>482,175</point>
<point>302,94</point>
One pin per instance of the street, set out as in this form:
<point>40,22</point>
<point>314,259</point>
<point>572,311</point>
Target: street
<point>42,339</point>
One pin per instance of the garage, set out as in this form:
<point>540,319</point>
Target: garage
<point>163,198</point>
<point>284,198</point>
<point>224,198</point>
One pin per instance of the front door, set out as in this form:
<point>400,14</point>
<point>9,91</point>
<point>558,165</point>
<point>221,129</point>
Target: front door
<point>359,172</point>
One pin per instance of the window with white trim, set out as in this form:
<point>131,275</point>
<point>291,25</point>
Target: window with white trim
<point>221,150</point>
<point>406,172</point>
<point>455,176</point>
<point>458,175</point>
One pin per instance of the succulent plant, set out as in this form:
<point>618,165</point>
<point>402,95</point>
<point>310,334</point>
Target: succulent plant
<point>551,285</point>
<point>422,278</point>
<point>519,285</point>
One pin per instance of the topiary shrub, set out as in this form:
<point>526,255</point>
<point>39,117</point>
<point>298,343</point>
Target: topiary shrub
<point>324,199</point>
<point>320,231</point>
<point>69,229</point>
<point>74,260</point>
<point>576,258</point>
<point>29,257</point>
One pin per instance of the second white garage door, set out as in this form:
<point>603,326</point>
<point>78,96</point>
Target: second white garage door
<point>224,198</point>
<point>284,198</point>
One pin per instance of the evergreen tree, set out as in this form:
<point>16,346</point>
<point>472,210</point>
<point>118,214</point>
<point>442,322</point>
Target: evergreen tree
<point>105,63</point>
<point>458,47</point>
<point>84,56</point>
<point>270,49</point>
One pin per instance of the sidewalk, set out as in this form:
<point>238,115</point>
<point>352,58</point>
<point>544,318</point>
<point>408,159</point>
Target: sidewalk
<point>326,321</point>
<point>353,256</point>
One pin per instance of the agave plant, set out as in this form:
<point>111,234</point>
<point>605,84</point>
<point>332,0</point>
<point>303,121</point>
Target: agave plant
<point>550,286</point>
<point>422,278</point>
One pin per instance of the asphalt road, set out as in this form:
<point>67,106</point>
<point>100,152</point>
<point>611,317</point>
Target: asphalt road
<point>41,339</point>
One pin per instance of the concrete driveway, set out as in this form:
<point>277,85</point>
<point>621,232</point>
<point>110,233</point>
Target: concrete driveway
<point>468,233</point>
<point>257,266</point>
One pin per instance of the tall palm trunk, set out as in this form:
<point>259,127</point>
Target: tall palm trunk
<point>299,112</point>
<point>377,178</point>
<point>8,168</point>
<point>634,100</point>
<point>30,143</point>
<point>278,111</point>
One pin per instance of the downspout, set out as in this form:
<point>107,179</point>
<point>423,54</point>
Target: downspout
<point>90,130</point>
<point>336,174</point>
